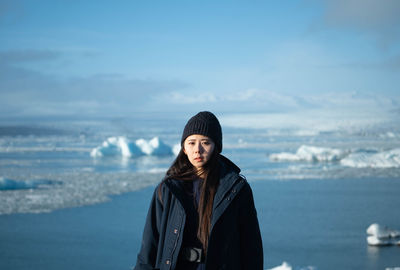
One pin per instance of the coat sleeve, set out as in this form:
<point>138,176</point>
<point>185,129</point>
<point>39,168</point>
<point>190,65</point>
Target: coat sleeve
<point>250,236</point>
<point>146,259</point>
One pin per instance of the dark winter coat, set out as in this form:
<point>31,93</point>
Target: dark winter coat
<point>234,242</point>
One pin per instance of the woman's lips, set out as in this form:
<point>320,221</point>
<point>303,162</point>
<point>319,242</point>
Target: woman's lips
<point>199,159</point>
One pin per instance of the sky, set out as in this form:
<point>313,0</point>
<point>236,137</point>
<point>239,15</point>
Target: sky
<point>99,57</point>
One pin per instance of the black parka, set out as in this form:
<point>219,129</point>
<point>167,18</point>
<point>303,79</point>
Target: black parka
<point>234,242</point>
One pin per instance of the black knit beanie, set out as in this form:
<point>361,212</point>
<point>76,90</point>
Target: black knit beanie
<point>204,123</point>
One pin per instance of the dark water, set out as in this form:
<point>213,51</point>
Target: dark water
<point>323,223</point>
<point>318,223</point>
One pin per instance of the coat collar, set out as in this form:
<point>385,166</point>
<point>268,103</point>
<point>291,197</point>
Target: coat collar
<point>229,176</point>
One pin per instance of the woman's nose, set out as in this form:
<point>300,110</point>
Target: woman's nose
<point>199,148</point>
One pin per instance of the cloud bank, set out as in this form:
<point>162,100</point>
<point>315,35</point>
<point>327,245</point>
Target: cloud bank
<point>379,18</point>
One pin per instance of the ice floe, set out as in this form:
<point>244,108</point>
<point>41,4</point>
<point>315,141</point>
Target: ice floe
<point>385,159</point>
<point>382,236</point>
<point>70,190</point>
<point>122,146</point>
<point>287,266</point>
<point>360,158</point>
<point>176,148</point>
<point>311,154</point>
<point>10,184</point>
<point>154,147</point>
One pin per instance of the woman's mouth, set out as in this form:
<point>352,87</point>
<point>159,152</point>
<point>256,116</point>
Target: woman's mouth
<point>198,159</point>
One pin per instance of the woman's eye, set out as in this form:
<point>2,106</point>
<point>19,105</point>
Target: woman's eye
<point>206,143</point>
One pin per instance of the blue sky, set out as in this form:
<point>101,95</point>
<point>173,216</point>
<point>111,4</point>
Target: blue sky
<point>121,57</point>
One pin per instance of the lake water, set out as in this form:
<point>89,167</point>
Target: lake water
<point>316,192</point>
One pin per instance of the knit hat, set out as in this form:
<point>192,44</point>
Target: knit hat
<point>204,123</point>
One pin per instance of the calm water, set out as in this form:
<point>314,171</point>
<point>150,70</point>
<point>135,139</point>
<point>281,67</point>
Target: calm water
<point>304,222</point>
<point>316,193</point>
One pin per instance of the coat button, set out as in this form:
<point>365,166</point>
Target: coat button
<point>234,191</point>
<point>229,198</point>
<point>167,261</point>
<point>175,231</point>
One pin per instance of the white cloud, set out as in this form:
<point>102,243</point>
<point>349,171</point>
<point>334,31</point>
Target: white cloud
<point>191,98</point>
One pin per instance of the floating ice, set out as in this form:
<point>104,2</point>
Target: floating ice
<point>287,266</point>
<point>385,159</point>
<point>382,232</point>
<point>73,189</point>
<point>176,149</point>
<point>311,154</point>
<point>121,146</point>
<point>115,146</point>
<point>10,184</point>
<point>382,236</point>
<point>283,266</point>
<point>375,241</point>
<point>154,147</point>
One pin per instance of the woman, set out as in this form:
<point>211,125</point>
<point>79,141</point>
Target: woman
<point>202,214</point>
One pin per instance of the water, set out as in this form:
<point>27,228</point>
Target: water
<point>308,223</point>
<point>322,223</point>
<point>316,192</point>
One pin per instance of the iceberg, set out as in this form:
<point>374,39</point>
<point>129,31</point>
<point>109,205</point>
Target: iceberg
<point>153,147</point>
<point>283,266</point>
<point>116,146</point>
<point>382,236</point>
<point>311,154</point>
<point>287,266</point>
<point>121,146</point>
<point>176,149</point>
<point>375,241</point>
<point>385,159</point>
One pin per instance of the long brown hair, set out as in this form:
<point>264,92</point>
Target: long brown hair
<point>182,169</point>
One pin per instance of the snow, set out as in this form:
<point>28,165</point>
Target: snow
<point>121,146</point>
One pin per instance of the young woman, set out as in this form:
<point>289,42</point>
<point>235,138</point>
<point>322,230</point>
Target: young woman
<point>202,215</point>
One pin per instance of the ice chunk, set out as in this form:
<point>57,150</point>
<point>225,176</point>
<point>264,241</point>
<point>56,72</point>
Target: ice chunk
<point>375,241</point>
<point>382,236</point>
<point>385,159</point>
<point>115,146</point>
<point>311,154</point>
<point>382,232</point>
<point>10,184</point>
<point>153,147</point>
<point>121,146</point>
<point>176,149</point>
<point>283,266</point>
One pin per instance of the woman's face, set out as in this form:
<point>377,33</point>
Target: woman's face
<point>198,149</point>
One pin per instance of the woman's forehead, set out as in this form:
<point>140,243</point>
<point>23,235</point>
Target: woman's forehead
<point>196,137</point>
